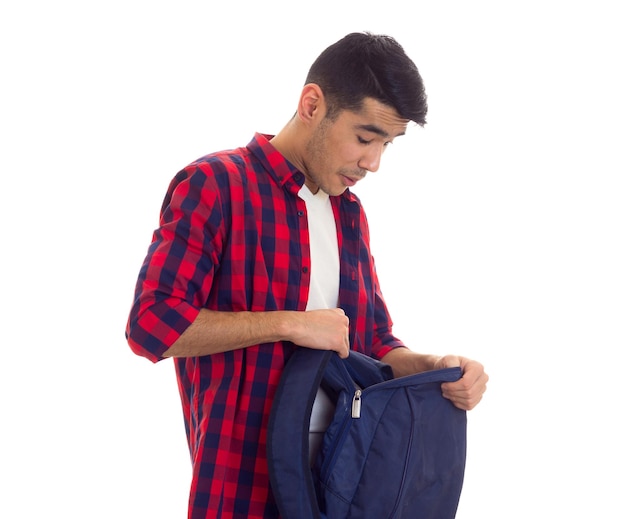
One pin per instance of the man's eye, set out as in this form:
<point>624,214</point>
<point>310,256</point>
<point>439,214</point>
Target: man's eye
<point>362,140</point>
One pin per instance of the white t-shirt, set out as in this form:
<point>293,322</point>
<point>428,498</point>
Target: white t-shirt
<point>324,287</point>
<point>323,290</point>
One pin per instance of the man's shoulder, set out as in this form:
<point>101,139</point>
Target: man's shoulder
<point>224,159</point>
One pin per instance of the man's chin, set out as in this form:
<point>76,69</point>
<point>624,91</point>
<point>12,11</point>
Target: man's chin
<point>336,191</point>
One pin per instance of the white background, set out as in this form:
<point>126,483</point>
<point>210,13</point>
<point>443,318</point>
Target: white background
<point>498,229</point>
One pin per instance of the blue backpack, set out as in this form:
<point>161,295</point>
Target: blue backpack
<point>395,447</point>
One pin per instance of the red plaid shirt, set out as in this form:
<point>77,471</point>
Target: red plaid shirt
<point>233,236</point>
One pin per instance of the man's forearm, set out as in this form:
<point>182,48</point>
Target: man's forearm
<point>403,361</point>
<point>215,332</point>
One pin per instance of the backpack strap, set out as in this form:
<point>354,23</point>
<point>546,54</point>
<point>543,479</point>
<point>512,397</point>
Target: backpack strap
<point>288,434</point>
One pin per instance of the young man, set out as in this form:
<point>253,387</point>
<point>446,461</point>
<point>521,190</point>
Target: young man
<point>264,249</point>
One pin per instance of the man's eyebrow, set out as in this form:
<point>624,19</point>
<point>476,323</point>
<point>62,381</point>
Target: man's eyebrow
<point>375,129</point>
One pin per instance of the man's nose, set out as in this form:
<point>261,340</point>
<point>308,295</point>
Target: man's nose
<point>371,160</point>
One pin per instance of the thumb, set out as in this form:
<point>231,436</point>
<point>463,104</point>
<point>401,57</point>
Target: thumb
<point>448,361</point>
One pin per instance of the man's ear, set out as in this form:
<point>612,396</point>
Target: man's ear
<point>312,106</point>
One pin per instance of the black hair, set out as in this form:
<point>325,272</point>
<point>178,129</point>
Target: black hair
<point>365,65</point>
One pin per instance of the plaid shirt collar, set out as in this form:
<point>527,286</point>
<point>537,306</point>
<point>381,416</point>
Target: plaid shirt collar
<point>284,172</point>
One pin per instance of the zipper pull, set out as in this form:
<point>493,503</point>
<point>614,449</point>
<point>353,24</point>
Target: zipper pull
<point>356,404</point>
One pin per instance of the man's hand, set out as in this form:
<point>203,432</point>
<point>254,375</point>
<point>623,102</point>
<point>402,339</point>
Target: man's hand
<point>322,330</point>
<point>468,391</point>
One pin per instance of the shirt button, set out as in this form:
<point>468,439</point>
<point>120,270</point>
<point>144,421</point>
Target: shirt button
<point>300,213</point>
<point>305,269</point>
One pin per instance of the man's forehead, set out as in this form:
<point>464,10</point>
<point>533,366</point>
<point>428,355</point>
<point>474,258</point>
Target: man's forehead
<point>379,118</point>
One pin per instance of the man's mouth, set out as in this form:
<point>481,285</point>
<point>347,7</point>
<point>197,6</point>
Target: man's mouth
<point>350,181</point>
<point>347,181</point>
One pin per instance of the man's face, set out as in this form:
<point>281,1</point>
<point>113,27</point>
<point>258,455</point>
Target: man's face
<point>341,152</point>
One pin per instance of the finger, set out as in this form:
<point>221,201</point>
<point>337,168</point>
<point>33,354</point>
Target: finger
<point>464,398</point>
<point>347,343</point>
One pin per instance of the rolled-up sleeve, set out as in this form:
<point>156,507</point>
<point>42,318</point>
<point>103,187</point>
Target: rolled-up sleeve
<point>178,270</point>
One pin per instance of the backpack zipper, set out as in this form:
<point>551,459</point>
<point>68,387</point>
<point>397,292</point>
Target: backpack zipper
<point>356,404</point>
